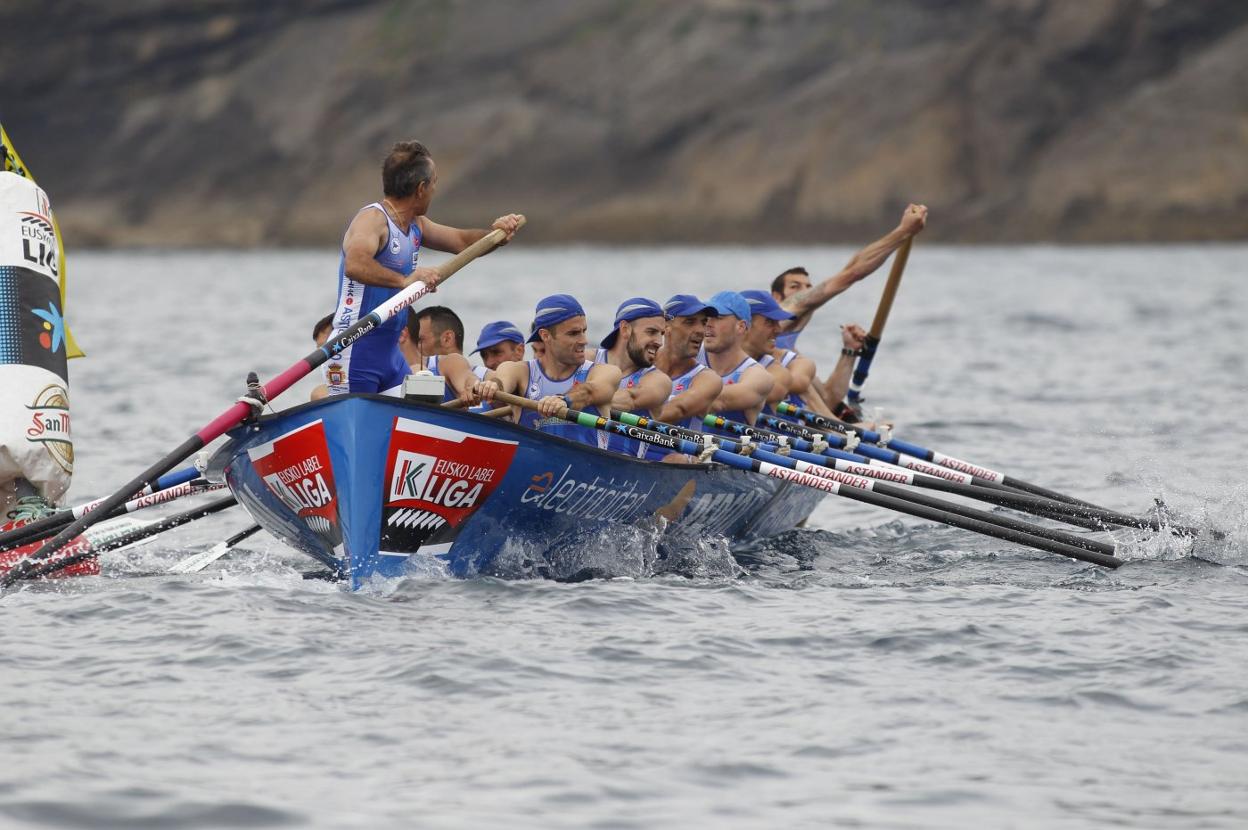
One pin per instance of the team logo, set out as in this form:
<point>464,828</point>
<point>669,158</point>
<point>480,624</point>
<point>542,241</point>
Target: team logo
<point>49,425</point>
<point>296,468</point>
<point>394,246</point>
<point>335,375</point>
<point>436,478</point>
<point>53,334</point>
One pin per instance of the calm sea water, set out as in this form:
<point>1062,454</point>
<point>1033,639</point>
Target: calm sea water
<point>869,671</point>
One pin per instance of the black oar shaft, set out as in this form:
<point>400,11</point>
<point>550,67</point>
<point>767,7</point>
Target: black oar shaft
<point>995,530</point>
<point>902,501</point>
<point>51,566</point>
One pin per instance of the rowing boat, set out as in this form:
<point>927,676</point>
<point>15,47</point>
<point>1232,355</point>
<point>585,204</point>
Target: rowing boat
<point>371,485</point>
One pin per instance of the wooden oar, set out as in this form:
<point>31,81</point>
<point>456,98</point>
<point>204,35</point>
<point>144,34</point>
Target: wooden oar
<point>830,481</point>
<point>203,559</point>
<point>863,367</point>
<point>173,486</point>
<point>235,415</point>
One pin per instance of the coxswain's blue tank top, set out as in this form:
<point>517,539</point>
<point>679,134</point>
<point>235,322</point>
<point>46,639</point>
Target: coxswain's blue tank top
<point>370,365</point>
<point>540,386</point>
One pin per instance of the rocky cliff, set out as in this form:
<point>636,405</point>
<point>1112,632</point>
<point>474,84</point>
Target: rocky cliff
<point>230,122</point>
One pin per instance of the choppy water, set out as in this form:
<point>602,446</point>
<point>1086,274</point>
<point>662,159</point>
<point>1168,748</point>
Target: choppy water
<point>870,671</point>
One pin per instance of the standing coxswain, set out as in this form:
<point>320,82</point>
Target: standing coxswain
<point>379,258</point>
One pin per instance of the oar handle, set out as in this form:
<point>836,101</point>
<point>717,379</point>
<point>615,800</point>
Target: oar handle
<point>515,400</point>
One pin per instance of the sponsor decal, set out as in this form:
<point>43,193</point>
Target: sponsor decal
<point>608,500</point>
<point>49,425</point>
<point>718,512</point>
<point>436,478</point>
<point>296,469</point>
<point>38,240</point>
<point>53,329</point>
<point>836,475</point>
<point>940,472</point>
<point>966,467</point>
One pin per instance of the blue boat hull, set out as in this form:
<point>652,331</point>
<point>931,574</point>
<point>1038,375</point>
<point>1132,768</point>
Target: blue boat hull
<point>365,484</point>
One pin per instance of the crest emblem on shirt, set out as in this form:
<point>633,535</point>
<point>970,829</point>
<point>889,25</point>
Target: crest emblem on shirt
<point>394,245</point>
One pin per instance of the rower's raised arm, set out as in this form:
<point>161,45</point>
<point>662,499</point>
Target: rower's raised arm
<point>861,265</point>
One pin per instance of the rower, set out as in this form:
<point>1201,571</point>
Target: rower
<point>378,260</point>
<point>320,336</point>
<point>793,289</point>
<point>499,342</point>
<point>793,373</point>
<point>323,328</point>
<point>694,386</point>
<point>631,347</point>
<point>440,332</point>
<point>746,384</point>
<point>454,367</point>
<point>560,377</point>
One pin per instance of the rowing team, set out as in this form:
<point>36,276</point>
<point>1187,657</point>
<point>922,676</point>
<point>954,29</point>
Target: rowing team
<point>731,355</point>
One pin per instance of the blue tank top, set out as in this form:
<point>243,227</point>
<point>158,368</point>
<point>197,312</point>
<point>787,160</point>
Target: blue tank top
<point>432,364</point>
<point>787,340</point>
<point>540,386</point>
<point>355,299</point>
<point>793,398</point>
<point>732,377</point>
<point>694,422</point>
<point>623,444</point>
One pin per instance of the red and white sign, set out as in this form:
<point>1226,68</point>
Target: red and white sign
<point>296,468</point>
<point>436,477</point>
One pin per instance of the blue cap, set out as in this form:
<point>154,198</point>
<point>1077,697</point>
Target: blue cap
<point>687,305</point>
<point>730,302</point>
<point>553,310</point>
<point>632,309</point>
<point>761,302</point>
<point>500,331</point>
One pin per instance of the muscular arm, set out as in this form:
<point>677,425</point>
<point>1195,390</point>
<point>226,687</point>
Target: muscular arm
<point>837,384</point>
<point>458,373</point>
<point>446,238</point>
<point>780,382</point>
<point>454,240</point>
<point>647,396</point>
<point>695,401</point>
<point>748,394</point>
<point>598,388</point>
<point>801,371</point>
<point>364,238</point>
<point>861,265</point>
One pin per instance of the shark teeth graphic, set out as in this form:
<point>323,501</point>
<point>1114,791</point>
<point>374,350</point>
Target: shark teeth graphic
<point>319,524</point>
<point>422,519</point>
